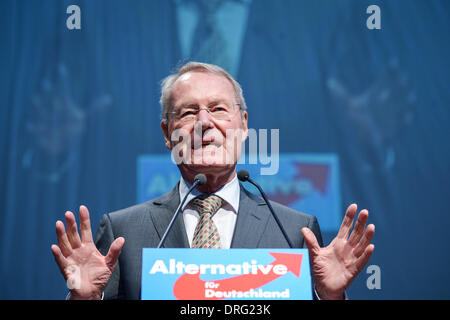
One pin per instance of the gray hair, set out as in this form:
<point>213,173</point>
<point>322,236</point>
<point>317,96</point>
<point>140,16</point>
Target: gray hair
<point>167,84</point>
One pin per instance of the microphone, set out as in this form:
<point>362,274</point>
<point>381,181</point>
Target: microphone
<point>199,180</point>
<point>243,176</point>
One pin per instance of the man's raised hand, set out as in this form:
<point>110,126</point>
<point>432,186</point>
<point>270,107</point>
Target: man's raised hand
<point>85,269</point>
<point>335,266</point>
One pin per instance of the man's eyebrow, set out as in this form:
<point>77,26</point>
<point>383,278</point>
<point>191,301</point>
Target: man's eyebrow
<point>213,100</point>
<point>189,105</point>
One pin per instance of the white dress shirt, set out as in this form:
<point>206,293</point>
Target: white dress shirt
<point>224,218</point>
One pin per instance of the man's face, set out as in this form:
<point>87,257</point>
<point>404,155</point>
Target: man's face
<point>209,143</point>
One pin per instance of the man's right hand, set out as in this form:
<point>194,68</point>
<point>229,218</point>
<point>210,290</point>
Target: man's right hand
<point>85,269</point>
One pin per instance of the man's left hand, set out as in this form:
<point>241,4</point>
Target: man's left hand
<point>334,267</point>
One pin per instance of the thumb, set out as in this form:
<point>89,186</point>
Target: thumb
<point>311,241</point>
<point>114,252</point>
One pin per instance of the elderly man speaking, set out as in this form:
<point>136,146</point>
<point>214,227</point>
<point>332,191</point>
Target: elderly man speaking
<point>201,104</point>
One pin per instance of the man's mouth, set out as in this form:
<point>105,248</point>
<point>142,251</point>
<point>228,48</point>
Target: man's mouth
<point>204,143</point>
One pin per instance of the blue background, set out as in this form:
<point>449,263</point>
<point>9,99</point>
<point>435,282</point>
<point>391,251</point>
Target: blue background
<point>78,107</point>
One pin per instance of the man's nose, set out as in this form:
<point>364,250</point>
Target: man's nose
<point>205,118</point>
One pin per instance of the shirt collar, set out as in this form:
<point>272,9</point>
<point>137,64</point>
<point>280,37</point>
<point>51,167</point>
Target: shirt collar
<point>229,192</point>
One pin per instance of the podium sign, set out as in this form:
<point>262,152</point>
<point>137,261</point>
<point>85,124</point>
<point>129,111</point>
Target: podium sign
<point>215,274</point>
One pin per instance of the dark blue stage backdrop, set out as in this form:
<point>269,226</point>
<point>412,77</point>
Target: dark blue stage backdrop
<point>79,108</point>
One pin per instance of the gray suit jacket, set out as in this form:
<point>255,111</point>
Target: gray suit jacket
<point>143,225</point>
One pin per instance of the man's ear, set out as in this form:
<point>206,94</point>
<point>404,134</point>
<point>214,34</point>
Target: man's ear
<point>165,130</point>
<point>244,117</point>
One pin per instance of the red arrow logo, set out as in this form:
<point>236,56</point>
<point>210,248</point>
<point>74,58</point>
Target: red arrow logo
<point>191,287</point>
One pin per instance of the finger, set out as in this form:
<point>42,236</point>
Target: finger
<point>72,231</point>
<point>365,240</point>
<point>358,230</point>
<point>114,252</point>
<point>63,241</point>
<point>311,241</point>
<point>364,258</point>
<point>59,258</point>
<point>85,225</point>
<point>347,222</point>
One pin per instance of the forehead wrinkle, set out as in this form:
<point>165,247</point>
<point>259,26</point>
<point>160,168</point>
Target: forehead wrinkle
<point>207,100</point>
<point>196,98</point>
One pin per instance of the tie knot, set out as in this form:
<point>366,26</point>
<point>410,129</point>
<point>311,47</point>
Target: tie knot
<point>207,204</point>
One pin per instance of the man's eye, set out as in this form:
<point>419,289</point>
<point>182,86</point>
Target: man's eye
<point>187,113</point>
<point>219,108</point>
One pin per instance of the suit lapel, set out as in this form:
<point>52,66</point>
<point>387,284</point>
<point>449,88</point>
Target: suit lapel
<point>251,221</point>
<point>250,225</point>
<point>162,213</point>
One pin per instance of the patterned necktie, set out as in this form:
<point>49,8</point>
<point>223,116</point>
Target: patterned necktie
<point>206,234</point>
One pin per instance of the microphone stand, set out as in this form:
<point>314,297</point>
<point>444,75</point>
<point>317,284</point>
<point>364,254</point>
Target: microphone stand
<point>244,176</point>
<point>195,184</point>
